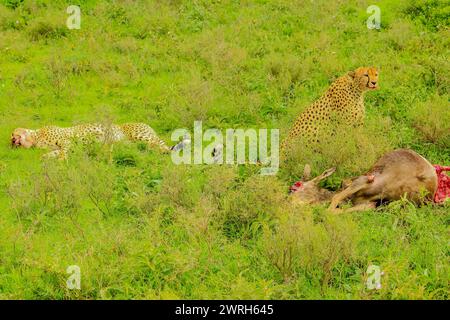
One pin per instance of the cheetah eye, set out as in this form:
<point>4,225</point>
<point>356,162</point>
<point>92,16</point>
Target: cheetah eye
<point>366,75</point>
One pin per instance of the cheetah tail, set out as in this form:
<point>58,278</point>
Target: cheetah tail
<point>163,146</point>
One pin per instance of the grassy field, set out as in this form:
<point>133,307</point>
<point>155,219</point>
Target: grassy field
<point>140,227</point>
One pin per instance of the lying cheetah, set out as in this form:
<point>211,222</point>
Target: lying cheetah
<point>60,139</point>
<point>342,103</point>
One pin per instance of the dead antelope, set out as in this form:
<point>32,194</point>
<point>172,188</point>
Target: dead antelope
<point>397,174</point>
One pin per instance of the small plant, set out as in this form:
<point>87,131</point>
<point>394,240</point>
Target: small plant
<point>351,150</point>
<point>430,119</point>
<point>257,198</point>
<point>300,244</point>
<point>42,30</point>
<point>432,13</point>
<point>13,4</point>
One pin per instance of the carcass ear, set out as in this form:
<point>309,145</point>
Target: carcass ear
<point>327,173</point>
<point>307,172</point>
<point>324,175</point>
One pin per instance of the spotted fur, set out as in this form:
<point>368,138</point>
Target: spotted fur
<point>342,103</point>
<point>60,139</point>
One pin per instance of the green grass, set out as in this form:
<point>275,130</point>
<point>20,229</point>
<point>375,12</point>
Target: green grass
<point>141,227</point>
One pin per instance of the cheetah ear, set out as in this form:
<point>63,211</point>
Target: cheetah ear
<point>352,74</point>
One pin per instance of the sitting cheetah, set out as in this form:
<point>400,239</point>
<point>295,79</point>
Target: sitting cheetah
<point>342,103</point>
<point>60,139</point>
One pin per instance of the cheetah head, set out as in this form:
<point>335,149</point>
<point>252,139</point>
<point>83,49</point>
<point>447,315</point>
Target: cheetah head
<point>22,138</point>
<point>365,77</point>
